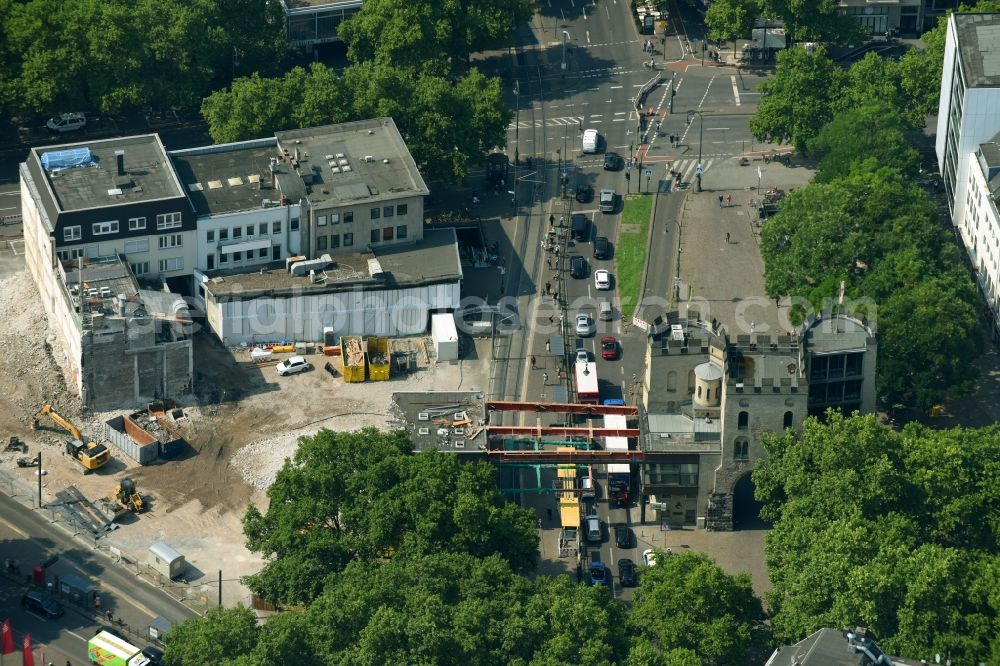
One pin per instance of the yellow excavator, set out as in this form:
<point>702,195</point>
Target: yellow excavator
<point>128,496</point>
<point>89,455</point>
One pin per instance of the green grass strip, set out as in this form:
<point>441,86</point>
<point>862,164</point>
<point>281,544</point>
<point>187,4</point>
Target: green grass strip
<point>630,251</point>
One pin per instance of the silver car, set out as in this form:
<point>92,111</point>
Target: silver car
<point>584,325</point>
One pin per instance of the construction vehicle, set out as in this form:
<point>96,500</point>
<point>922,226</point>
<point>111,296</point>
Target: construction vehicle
<point>127,496</point>
<point>89,455</point>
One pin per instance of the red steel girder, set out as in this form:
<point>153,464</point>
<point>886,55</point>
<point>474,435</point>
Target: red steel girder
<point>501,455</point>
<point>538,431</point>
<point>559,407</point>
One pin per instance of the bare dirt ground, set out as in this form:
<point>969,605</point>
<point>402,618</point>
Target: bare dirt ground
<point>196,501</point>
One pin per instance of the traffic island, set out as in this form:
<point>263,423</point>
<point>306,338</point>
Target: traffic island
<point>630,253</point>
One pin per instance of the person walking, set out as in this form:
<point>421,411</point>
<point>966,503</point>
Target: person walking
<point>721,199</point>
<point>532,361</point>
<point>545,378</point>
<point>97,602</point>
<point>727,238</point>
<point>548,287</point>
<point>552,220</point>
<point>729,200</point>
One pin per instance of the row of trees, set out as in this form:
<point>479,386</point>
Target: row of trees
<point>385,557</point>
<point>804,20</point>
<point>896,531</point>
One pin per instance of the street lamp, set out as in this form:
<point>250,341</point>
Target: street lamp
<point>701,133</point>
<point>565,39</point>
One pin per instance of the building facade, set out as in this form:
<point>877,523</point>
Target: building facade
<point>980,229</point>
<point>309,23</point>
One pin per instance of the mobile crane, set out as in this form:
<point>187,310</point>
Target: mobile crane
<point>89,455</point>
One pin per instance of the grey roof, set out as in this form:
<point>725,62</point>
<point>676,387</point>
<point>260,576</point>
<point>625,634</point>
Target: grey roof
<point>378,164</point>
<point>149,175</point>
<point>291,6</point>
<point>227,178</point>
<point>828,647</point>
<point>407,406</point>
<point>832,335</point>
<point>979,48</point>
<point>432,260</point>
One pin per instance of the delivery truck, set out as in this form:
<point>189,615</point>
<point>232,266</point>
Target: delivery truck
<point>107,649</point>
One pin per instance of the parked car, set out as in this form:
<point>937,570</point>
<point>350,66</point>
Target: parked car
<point>584,193</point>
<point>578,267</point>
<point>613,162</point>
<point>609,348</point>
<point>602,280</point>
<point>590,141</point>
<point>293,365</point>
<point>42,604</point>
<point>584,325</point>
<point>626,572</point>
<point>66,122</point>
<point>582,356</point>
<point>623,536</point>
<point>607,202</point>
<point>602,248</point>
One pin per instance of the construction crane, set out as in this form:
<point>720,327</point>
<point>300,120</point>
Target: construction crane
<point>89,455</point>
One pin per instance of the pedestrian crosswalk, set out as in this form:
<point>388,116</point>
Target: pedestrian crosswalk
<point>688,168</point>
<point>549,122</point>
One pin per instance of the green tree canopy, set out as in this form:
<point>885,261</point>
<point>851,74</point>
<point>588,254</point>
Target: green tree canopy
<point>686,602</point>
<point>221,635</point>
<point>871,131</point>
<point>729,20</point>
<point>363,495</point>
<point>896,531</point>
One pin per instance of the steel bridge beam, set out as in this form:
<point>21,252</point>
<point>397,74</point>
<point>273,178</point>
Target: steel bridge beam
<point>559,408</point>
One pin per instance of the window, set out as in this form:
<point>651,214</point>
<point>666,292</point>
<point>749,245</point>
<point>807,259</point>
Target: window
<point>321,243</point>
<point>376,234</point>
<point>174,264</point>
<point>741,449</point>
<point>376,212</point>
<point>387,233</point>
<point>102,228</point>
<point>210,262</point>
<point>788,420</point>
<point>743,420</point>
<point>237,256</point>
<point>171,240</point>
<point>168,221</point>
<point>136,245</point>
<point>139,268</point>
<point>262,228</point>
<point>249,230</point>
<point>276,227</point>
<point>276,253</point>
<point>387,211</point>
<point>348,240</point>
<point>210,236</point>
<point>349,217</point>
<point>68,255</point>
<point>223,234</point>
<point>223,258</point>
<point>72,233</point>
<point>293,223</point>
<point>136,223</point>
<point>401,209</point>
<point>321,221</point>
<point>401,231</point>
<point>334,241</point>
<point>237,232</point>
<point>334,218</point>
<point>262,253</point>
<point>673,474</point>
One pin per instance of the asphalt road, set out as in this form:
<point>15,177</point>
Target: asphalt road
<point>28,536</point>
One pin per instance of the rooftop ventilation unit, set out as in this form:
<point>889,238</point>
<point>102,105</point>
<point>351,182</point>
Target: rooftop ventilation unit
<point>423,431</point>
<point>369,158</point>
<point>423,416</point>
<point>459,443</point>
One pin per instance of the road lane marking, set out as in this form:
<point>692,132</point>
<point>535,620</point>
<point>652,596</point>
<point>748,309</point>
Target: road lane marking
<point>736,91</point>
<point>76,635</point>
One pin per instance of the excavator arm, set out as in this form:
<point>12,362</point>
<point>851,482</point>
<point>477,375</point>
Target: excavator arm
<point>47,410</point>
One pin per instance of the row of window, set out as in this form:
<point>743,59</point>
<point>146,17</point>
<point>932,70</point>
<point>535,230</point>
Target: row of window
<point>239,232</point>
<point>334,241</point>
<point>673,474</point>
<point>743,420</point>
<point>163,222</point>
<point>256,256</point>
<point>141,268</point>
<point>375,213</point>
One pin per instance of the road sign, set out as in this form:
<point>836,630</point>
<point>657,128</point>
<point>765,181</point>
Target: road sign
<point>699,169</point>
<point>628,164</point>
<point>649,173</point>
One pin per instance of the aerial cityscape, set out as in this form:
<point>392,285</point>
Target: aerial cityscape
<point>584,332</point>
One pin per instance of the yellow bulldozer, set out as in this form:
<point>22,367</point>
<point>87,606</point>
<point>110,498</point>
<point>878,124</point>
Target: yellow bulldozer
<point>128,496</point>
<point>88,454</point>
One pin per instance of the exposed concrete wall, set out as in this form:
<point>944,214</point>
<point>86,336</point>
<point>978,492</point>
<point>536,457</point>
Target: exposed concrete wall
<point>118,376</point>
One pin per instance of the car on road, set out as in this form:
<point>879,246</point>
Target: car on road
<point>607,202</point>
<point>293,365</point>
<point>66,122</point>
<point>599,574</point>
<point>649,557</point>
<point>602,248</point>
<point>42,604</point>
<point>584,193</point>
<point>578,267</point>
<point>154,655</point>
<point>579,227</point>
<point>623,536</point>
<point>590,141</point>
<point>613,162</point>
<point>602,280</point>
<point>626,572</point>
<point>609,348</point>
<point>582,356</point>
<point>584,325</point>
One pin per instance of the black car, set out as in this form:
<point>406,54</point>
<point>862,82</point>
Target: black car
<point>579,227</point>
<point>623,536</point>
<point>626,573</point>
<point>578,267</point>
<point>43,604</point>
<point>602,248</point>
<point>154,654</point>
<point>613,162</point>
<point>584,193</point>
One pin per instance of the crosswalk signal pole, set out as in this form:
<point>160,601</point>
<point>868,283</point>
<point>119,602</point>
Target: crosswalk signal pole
<point>628,182</point>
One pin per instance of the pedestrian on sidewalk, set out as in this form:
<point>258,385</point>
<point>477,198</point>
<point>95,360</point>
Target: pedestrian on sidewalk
<point>545,378</point>
<point>532,361</point>
<point>562,220</point>
<point>548,287</point>
<point>727,238</point>
<point>552,319</point>
<point>552,220</point>
<point>110,616</point>
<point>97,602</point>
<point>721,199</point>
<point>729,199</point>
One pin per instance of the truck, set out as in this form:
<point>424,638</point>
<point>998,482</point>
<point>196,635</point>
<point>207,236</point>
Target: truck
<point>107,649</point>
<point>619,473</point>
<point>378,359</point>
<point>597,571</point>
<point>585,375</point>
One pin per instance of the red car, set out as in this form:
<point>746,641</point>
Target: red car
<point>609,347</point>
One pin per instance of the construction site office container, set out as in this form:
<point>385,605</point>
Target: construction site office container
<point>378,359</point>
<point>445,336</point>
<point>143,448</point>
<point>166,561</point>
<point>352,350</point>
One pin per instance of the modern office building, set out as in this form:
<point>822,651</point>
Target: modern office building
<point>980,228</point>
<point>309,23</point>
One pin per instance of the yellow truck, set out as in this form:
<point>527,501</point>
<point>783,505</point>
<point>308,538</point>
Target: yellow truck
<point>352,350</point>
<point>378,359</point>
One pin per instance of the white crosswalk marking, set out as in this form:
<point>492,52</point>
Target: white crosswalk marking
<point>549,122</point>
<point>687,167</point>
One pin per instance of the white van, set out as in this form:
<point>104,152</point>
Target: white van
<point>590,141</point>
<point>587,486</point>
